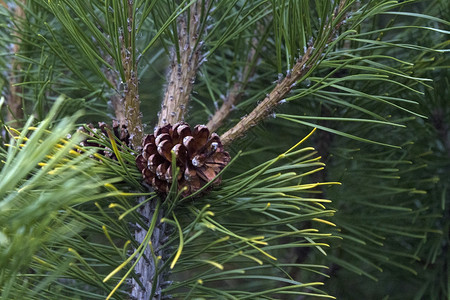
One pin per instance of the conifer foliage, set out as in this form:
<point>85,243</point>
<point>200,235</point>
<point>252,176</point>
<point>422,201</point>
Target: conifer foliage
<point>239,204</point>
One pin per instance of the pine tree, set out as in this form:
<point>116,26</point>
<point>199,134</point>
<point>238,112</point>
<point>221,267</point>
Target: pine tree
<point>224,149</point>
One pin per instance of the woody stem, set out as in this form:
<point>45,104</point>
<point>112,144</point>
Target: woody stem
<point>131,100</point>
<point>235,94</point>
<point>302,67</point>
<point>15,108</point>
<point>184,65</point>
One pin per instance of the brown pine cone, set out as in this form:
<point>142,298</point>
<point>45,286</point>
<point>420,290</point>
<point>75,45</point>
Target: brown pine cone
<point>199,155</point>
<point>119,131</point>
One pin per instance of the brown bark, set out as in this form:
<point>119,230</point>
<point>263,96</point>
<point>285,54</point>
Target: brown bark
<point>183,68</point>
<point>272,99</point>
<point>15,112</point>
<point>234,96</point>
<point>131,102</point>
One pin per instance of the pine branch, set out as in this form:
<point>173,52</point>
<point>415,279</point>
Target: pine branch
<point>15,108</point>
<point>133,118</point>
<point>271,100</point>
<point>303,65</point>
<point>235,94</point>
<point>150,280</point>
<point>184,65</point>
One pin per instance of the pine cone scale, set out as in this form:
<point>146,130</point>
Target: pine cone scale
<point>207,174</point>
<point>164,149</point>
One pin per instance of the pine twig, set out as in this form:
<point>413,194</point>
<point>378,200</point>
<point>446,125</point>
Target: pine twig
<point>127,110</point>
<point>146,269</point>
<point>133,116</point>
<point>15,108</point>
<point>183,67</point>
<point>272,99</point>
<point>303,66</point>
<point>234,96</point>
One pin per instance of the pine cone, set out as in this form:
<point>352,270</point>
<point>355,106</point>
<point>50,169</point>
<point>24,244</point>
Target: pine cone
<point>119,131</point>
<point>199,155</point>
